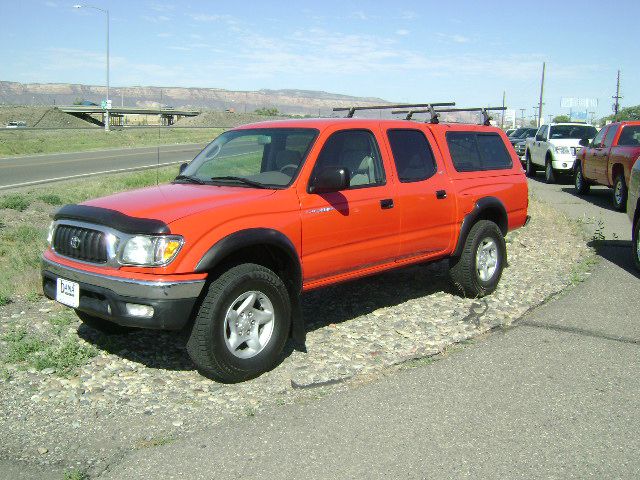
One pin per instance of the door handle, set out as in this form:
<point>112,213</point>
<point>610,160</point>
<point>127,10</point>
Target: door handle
<point>441,194</point>
<point>386,203</point>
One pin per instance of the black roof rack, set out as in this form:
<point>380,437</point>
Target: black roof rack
<point>351,110</point>
<point>436,113</point>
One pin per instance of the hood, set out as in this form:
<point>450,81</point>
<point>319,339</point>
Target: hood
<point>566,142</point>
<point>174,201</point>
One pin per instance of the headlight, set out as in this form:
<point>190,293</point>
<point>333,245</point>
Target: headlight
<point>151,251</point>
<point>52,228</point>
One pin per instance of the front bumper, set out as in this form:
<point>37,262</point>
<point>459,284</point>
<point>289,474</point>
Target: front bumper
<point>563,161</point>
<point>106,297</point>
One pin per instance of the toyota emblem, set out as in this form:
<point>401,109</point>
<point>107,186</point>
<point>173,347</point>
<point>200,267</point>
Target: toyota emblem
<point>74,242</point>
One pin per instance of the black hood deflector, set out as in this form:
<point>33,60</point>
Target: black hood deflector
<point>112,218</point>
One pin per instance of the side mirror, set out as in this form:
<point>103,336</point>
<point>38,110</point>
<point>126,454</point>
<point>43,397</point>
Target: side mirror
<point>584,142</point>
<point>183,166</point>
<point>331,179</point>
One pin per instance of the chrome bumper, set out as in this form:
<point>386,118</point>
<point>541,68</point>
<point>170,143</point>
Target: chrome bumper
<point>127,287</point>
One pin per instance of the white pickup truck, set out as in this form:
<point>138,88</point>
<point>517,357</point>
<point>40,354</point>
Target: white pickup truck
<point>554,148</point>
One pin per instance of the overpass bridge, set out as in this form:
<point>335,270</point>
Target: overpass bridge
<point>168,115</point>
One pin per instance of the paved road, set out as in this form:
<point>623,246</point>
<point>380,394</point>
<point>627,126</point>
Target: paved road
<point>17,171</point>
<point>554,397</point>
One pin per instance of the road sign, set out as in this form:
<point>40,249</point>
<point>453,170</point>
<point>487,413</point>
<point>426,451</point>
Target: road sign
<point>578,115</point>
<point>106,104</point>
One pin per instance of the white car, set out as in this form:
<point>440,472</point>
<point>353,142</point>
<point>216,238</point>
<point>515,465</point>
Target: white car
<point>554,148</point>
<point>17,124</point>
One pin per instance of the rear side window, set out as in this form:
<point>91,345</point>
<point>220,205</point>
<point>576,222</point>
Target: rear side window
<point>474,151</point>
<point>630,136</point>
<point>412,155</point>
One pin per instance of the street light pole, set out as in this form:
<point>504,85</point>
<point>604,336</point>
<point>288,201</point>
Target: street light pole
<point>106,110</point>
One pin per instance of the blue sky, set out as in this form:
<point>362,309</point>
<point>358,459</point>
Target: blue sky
<point>405,51</point>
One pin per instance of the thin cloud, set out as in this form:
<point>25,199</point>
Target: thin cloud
<point>402,32</point>
<point>360,15</point>
<point>156,18</point>
<point>456,38</point>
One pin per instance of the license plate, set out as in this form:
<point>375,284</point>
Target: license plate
<point>68,293</point>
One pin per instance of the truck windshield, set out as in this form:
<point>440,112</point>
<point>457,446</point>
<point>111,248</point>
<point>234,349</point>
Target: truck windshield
<point>252,158</point>
<point>572,131</point>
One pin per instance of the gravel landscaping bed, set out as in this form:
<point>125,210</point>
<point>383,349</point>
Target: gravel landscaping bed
<point>91,398</point>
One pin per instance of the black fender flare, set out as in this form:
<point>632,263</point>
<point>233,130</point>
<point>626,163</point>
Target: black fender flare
<point>256,237</point>
<point>481,206</point>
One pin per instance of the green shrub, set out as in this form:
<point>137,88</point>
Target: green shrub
<point>14,201</point>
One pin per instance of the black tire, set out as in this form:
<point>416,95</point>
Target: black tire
<point>620,193</point>
<point>102,325</point>
<point>549,172</point>
<point>207,345</point>
<point>635,244</point>
<point>464,270</point>
<point>579,182</point>
<point>530,169</point>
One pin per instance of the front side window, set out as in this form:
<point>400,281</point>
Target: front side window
<point>357,151</point>
<point>598,138</point>
<point>474,151</point>
<point>608,139</point>
<point>261,158</point>
<point>412,155</point>
<point>630,136</point>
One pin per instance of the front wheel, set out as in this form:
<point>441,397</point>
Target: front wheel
<point>477,271</point>
<point>549,173</point>
<point>242,324</point>
<point>619,193</point>
<point>636,244</point>
<point>530,169</point>
<point>581,185</point>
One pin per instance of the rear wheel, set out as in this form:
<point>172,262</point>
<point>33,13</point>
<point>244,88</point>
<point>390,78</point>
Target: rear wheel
<point>242,324</point>
<point>619,193</point>
<point>103,326</point>
<point>580,183</point>
<point>477,271</point>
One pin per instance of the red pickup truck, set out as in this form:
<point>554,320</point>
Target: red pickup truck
<point>608,160</point>
<point>269,210</point>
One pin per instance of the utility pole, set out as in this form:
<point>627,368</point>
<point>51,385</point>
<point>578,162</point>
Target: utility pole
<point>617,97</point>
<point>522,116</point>
<point>504,96</point>
<point>541,95</point>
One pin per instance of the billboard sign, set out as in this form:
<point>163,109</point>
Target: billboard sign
<point>578,103</point>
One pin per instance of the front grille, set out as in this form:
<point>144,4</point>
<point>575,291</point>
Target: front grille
<point>80,243</point>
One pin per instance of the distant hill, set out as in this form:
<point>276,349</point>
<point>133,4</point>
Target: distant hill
<point>296,102</point>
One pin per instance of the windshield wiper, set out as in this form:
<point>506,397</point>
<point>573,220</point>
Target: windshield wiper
<point>243,180</point>
<point>189,179</point>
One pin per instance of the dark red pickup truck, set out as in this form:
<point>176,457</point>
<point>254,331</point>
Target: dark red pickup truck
<point>608,160</point>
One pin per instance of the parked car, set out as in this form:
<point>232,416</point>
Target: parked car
<point>633,210</point>
<point>520,148</point>
<point>16,124</point>
<point>521,134</point>
<point>509,131</point>
<point>608,159</point>
<point>269,210</point>
<point>554,148</point>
